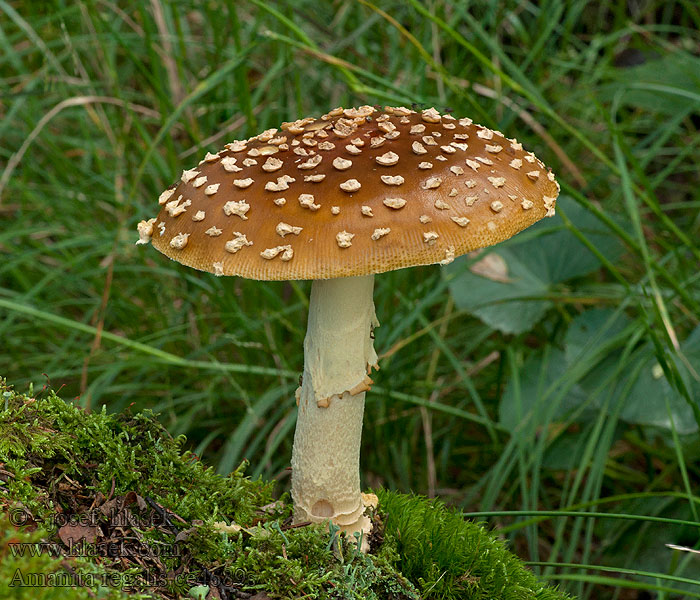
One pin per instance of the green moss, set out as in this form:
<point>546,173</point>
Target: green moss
<point>117,453</point>
<point>308,562</point>
<point>449,557</point>
<point>55,459</point>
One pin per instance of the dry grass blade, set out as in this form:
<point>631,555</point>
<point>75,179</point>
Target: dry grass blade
<point>16,158</point>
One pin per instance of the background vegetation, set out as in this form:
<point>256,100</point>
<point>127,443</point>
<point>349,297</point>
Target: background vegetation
<point>552,387</point>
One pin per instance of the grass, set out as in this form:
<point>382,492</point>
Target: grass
<point>587,408</point>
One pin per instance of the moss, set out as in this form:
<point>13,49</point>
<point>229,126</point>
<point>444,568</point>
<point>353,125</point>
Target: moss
<point>116,453</point>
<point>162,509</point>
<point>450,557</point>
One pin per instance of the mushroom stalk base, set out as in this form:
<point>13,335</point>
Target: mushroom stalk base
<point>338,355</point>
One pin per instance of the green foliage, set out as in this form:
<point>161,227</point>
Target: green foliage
<point>513,294</point>
<point>631,387</point>
<point>419,542</point>
<point>305,562</point>
<point>668,84</point>
<point>119,453</point>
<point>453,558</point>
<point>310,561</point>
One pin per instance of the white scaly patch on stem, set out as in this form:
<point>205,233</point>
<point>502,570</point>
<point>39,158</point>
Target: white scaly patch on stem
<point>338,353</point>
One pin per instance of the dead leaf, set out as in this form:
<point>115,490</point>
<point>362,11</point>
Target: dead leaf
<point>492,266</point>
<point>74,533</point>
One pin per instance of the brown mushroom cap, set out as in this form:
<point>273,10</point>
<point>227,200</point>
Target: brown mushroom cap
<point>356,192</point>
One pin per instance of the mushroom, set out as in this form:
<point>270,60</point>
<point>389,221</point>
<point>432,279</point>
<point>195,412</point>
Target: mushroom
<point>377,208</point>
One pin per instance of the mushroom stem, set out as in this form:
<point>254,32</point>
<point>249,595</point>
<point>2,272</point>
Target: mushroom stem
<point>338,352</point>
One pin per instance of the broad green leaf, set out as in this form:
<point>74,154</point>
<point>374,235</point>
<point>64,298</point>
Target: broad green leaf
<point>643,547</point>
<point>646,403</point>
<point>668,85</point>
<point>540,394</point>
<point>534,262</point>
<point>639,382</point>
<point>590,329</point>
<point>511,307</point>
<point>636,381</point>
<point>566,452</point>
